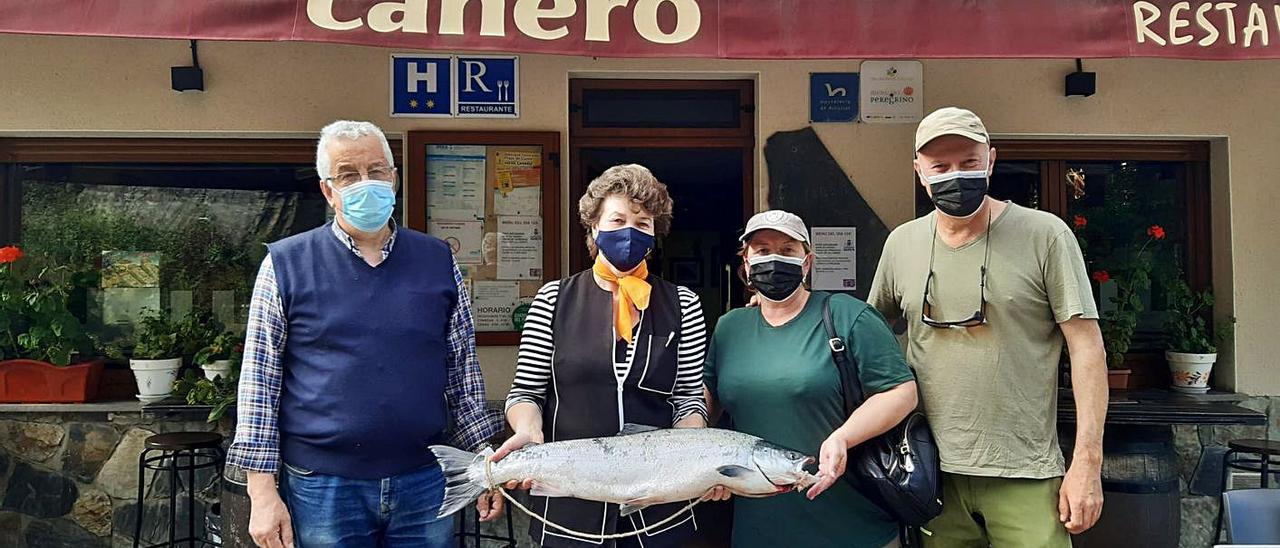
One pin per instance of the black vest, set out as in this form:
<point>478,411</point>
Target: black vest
<point>586,402</point>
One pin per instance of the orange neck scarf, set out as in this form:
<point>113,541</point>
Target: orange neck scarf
<point>631,290</point>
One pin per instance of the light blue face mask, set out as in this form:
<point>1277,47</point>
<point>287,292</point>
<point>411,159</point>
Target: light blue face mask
<point>367,205</point>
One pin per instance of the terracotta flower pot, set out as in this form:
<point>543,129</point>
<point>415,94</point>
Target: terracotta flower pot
<point>1118,379</point>
<point>33,381</point>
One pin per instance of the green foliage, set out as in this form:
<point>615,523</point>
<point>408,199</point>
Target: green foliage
<point>1119,324</point>
<point>196,332</point>
<point>195,389</point>
<point>35,321</point>
<point>156,338</point>
<point>195,255</point>
<point>220,348</point>
<point>1186,327</point>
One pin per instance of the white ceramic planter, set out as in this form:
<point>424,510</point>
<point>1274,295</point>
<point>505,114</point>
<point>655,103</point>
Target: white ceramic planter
<point>1190,371</point>
<point>219,367</point>
<point>155,377</point>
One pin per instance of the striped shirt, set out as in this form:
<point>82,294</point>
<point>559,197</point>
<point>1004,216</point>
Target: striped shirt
<point>256,447</point>
<point>533,361</point>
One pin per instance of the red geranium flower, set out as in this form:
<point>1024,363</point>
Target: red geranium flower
<point>10,254</point>
<point>1101,276</point>
<point>1156,231</point>
<point>1080,222</point>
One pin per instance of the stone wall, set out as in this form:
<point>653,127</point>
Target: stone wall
<point>1200,512</point>
<point>71,479</point>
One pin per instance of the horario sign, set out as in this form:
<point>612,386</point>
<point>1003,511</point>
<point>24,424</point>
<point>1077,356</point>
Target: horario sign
<point>759,29</point>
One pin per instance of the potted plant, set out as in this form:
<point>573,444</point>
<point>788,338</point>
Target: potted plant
<point>40,339</point>
<point>1119,324</point>
<point>156,356</point>
<point>1192,348</point>
<point>215,359</point>
<point>219,392</point>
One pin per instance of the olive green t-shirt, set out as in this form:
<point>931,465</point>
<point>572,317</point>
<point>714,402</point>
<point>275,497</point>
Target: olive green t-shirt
<point>991,391</point>
<point>780,384</point>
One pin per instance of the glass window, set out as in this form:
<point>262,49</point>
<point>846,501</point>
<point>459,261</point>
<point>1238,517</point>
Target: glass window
<point>1112,211</point>
<point>173,237</point>
<point>661,108</point>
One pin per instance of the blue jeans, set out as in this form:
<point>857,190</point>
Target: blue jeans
<point>389,512</point>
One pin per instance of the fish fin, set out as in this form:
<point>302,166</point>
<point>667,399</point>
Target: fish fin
<point>634,505</point>
<point>460,489</point>
<point>629,429</point>
<point>733,470</point>
<point>544,490</point>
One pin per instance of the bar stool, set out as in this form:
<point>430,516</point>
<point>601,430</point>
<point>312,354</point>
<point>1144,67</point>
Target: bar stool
<point>162,453</point>
<point>1268,455</point>
<point>469,514</point>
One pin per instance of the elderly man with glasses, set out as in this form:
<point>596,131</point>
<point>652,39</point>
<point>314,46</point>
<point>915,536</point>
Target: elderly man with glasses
<point>990,290</point>
<point>360,353</point>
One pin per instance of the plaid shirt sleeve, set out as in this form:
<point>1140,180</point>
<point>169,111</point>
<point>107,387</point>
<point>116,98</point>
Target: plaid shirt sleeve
<point>473,424</point>
<point>256,447</point>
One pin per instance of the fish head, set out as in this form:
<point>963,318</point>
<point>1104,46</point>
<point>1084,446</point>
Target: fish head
<point>783,467</point>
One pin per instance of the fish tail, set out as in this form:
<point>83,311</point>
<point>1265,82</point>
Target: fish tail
<point>464,477</point>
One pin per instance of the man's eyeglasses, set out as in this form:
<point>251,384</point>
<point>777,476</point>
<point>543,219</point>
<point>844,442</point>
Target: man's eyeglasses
<point>348,178</point>
<point>980,316</point>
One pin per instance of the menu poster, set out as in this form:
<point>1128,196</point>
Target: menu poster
<point>835,252</point>
<point>493,304</point>
<point>455,182</point>
<point>519,248</point>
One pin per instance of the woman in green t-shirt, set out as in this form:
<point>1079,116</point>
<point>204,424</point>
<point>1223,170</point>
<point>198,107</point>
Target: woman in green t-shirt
<point>771,369</point>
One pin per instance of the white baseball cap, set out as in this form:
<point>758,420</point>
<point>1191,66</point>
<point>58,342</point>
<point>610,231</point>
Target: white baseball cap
<point>951,121</point>
<point>776,219</point>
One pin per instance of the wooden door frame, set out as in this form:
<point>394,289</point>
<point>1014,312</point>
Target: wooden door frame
<point>742,137</point>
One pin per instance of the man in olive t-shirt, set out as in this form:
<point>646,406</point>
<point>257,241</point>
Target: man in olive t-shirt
<point>989,291</point>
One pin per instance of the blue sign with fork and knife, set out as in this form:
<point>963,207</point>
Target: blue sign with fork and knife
<point>487,86</point>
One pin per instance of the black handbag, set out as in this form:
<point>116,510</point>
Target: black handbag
<point>899,470</point>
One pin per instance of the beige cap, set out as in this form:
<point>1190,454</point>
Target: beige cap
<point>776,219</point>
<point>950,121</point>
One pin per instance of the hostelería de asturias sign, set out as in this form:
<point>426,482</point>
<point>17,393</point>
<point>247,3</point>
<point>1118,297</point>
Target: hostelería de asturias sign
<point>758,29</point>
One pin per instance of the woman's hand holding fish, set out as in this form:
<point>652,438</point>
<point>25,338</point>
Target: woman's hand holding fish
<point>490,504</point>
<point>718,492</point>
<point>831,463</point>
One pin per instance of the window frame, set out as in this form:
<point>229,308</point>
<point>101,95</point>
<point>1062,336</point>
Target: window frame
<point>72,150</point>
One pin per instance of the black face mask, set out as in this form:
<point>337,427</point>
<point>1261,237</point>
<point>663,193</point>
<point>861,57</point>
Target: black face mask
<point>776,277</point>
<point>959,194</point>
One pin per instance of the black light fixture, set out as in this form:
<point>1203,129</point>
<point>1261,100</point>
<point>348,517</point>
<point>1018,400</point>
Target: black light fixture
<point>188,78</point>
<point>1081,83</point>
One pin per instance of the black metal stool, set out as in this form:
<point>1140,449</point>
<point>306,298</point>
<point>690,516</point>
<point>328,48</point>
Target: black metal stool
<point>469,514</point>
<point>1268,455</point>
<point>201,450</point>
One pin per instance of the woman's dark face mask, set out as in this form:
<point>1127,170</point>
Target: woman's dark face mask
<point>775,277</point>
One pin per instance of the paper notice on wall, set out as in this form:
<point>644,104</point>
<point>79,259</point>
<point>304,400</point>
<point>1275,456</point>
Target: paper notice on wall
<point>493,303</point>
<point>517,188</point>
<point>835,251</point>
<point>464,238</point>
<point>455,182</point>
<point>519,248</point>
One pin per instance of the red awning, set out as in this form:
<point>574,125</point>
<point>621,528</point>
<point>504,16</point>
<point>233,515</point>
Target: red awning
<point>757,29</point>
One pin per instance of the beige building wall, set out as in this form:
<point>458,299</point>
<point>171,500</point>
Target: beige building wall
<point>79,86</point>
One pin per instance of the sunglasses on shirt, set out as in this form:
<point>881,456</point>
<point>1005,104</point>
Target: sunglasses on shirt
<point>979,317</point>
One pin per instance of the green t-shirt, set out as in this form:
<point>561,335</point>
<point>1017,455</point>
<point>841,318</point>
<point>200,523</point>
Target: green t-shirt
<point>990,392</point>
<point>780,384</point>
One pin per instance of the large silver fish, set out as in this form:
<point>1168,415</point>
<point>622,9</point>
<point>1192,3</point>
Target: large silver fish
<point>640,467</point>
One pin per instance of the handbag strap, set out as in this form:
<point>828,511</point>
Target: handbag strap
<point>850,385</point>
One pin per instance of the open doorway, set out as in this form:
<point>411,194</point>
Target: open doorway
<point>697,137</point>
